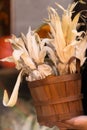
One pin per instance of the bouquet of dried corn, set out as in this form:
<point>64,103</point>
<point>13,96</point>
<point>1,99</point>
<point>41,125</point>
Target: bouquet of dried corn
<point>40,57</point>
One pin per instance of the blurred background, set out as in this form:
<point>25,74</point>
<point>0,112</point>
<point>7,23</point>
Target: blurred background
<point>31,13</point>
<point>17,15</point>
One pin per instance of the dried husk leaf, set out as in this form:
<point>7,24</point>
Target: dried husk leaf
<point>8,59</point>
<point>72,26</point>
<point>28,61</point>
<point>67,20</point>
<point>56,30</point>
<point>81,49</point>
<point>14,96</point>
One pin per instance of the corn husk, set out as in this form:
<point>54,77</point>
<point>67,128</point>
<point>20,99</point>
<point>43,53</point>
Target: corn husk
<point>14,96</point>
<point>28,56</point>
<point>64,33</point>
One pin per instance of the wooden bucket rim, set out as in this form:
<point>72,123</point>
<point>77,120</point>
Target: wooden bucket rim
<point>54,80</point>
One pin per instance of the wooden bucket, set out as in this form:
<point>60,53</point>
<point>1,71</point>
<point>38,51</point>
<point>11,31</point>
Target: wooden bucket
<point>57,98</point>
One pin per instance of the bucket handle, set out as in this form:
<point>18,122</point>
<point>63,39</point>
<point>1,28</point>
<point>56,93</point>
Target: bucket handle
<point>77,64</point>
